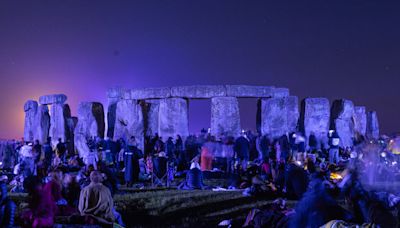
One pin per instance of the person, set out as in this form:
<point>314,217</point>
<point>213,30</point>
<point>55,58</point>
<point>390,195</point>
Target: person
<point>7,206</point>
<point>207,153</point>
<point>296,180</point>
<point>242,150</point>
<point>334,142</point>
<point>317,207</point>
<point>285,147</point>
<point>37,149</point>
<point>96,201</point>
<point>48,153</point>
<point>170,149</point>
<point>54,187</point>
<point>263,147</point>
<point>312,142</point>
<point>194,177</point>
<point>71,190</point>
<point>228,153</point>
<point>60,149</point>
<point>131,160</point>
<point>41,207</point>
<point>180,154</point>
<point>27,157</point>
<point>300,142</point>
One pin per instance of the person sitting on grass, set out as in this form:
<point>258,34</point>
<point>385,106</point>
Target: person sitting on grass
<point>96,203</point>
<point>194,178</point>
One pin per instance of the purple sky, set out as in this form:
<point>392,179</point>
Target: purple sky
<point>335,49</point>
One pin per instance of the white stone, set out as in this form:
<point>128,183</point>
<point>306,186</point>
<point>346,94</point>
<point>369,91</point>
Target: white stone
<point>129,122</point>
<point>225,116</point>
<point>173,118</point>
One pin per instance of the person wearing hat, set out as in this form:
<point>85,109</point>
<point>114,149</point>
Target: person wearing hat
<point>7,206</point>
<point>194,177</point>
<point>334,142</point>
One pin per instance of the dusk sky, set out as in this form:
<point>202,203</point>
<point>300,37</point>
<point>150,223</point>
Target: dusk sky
<point>334,49</point>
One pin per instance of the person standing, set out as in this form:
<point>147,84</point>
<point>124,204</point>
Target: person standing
<point>61,149</point>
<point>334,142</point>
<point>48,153</point>
<point>263,147</point>
<point>242,150</point>
<point>207,153</point>
<point>131,161</point>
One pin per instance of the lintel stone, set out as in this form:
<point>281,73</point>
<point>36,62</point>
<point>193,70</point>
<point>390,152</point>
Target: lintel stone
<point>249,91</point>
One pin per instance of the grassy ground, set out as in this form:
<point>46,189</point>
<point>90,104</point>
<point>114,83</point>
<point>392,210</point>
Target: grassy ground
<point>171,208</point>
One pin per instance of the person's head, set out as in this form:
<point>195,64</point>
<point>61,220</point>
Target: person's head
<point>90,168</point>
<point>59,140</point>
<point>96,177</point>
<point>37,142</point>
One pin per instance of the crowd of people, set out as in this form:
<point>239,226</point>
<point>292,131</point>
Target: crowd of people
<point>62,181</point>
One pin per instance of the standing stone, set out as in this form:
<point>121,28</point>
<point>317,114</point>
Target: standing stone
<point>57,124</point>
<point>372,125</point>
<point>279,116</point>
<point>225,116</point>
<point>173,118</point>
<point>249,91</point>
<point>90,120</point>
<point>315,116</point>
<point>113,95</point>
<point>342,113</point>
<point>42,124</point>
<point>150,115</point>
<point>31,110</point>
<point>360,120</point>
<point>129,122</point>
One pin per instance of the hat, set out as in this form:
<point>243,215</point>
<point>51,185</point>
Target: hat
<point>162,154</point>
<point>194,165</point>
<point>3,178</point>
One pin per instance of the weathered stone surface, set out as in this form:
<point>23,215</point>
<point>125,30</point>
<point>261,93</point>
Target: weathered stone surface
<point>111,115</point>
<point>150,115</point>
<point>37,122</point>
<point>31,110</point>
<point>147,93</point>
<point>360,120</point>
<point>116,92</point>
<point>52,99</point>
<point>198,91</point>
<point>372,125</point>
<point>80,143</point>
<point>342,113</point>
<point>57,123</point>
<point>90,120</point>
<point>279,116</point>
<point>315,116</point>
<point>249,91</point>
<point>280,92</point>
<point>173,118</point>
<point>42,124</point>
<point>129,122</point>
<point>225,116</point>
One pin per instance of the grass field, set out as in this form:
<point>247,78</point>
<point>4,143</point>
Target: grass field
<point>171,208</point>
